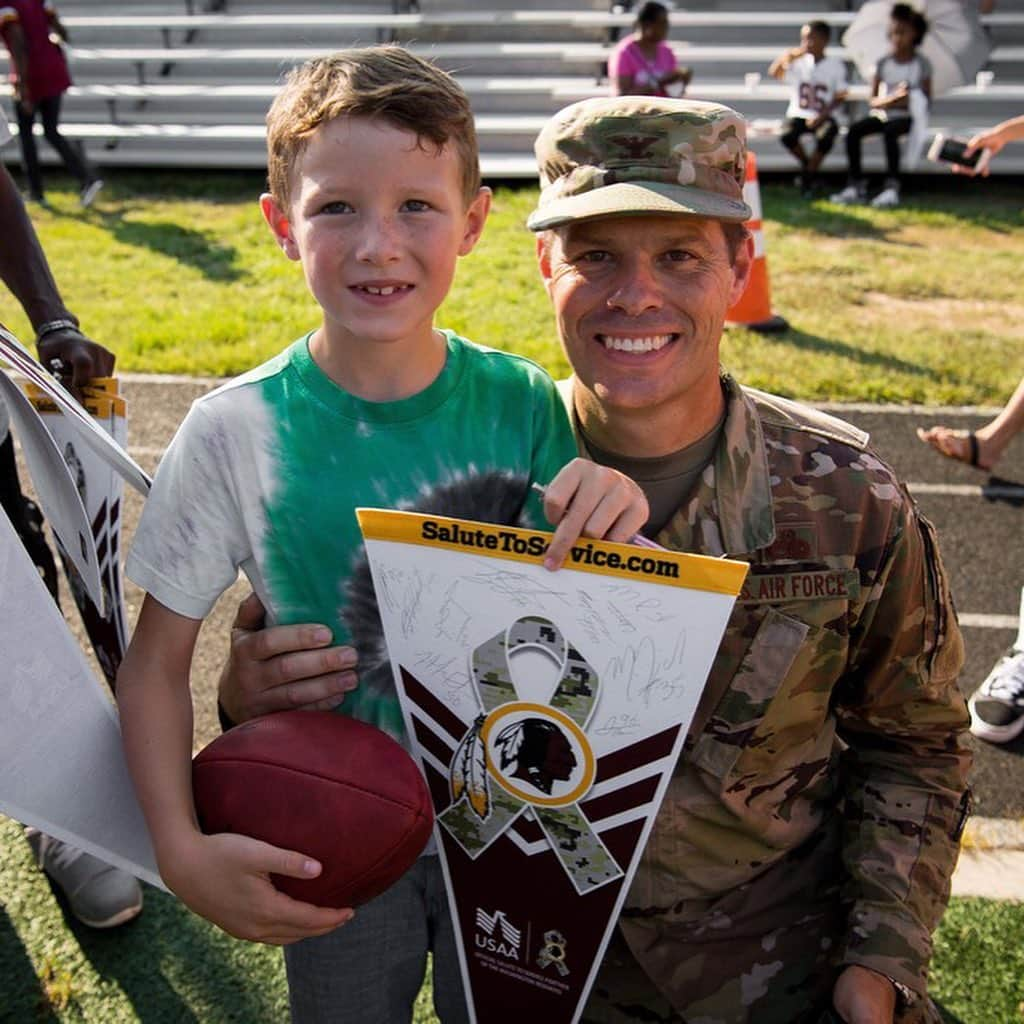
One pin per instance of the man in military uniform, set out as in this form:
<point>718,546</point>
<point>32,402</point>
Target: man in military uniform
<point>803,853</point>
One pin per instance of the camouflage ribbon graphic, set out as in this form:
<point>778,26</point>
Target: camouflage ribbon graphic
<point>516,753</point>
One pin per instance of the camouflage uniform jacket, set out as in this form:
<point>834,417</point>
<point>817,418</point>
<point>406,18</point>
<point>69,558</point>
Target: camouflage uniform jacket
<point>832,703</point>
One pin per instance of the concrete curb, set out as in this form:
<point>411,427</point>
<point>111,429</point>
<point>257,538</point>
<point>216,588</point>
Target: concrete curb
<point>991,861</point>
<point>983,834</point>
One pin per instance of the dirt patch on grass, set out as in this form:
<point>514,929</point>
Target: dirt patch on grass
<point>1003,318</point>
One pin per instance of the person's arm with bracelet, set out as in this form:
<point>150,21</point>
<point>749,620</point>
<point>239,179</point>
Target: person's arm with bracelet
<point>25,271</point>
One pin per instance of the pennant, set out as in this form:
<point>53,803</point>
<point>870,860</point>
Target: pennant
<point>101,490</point>
<point>547,711</point>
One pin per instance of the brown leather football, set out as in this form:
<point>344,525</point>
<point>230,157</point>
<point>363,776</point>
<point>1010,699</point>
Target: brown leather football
<point>322,784</point>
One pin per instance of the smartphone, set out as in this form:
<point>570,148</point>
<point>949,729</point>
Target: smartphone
<point>950,150</point>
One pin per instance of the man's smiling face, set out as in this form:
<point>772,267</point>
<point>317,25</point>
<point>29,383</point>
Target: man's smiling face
<point>640,302</point>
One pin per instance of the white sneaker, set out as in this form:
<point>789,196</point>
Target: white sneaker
<point>848,197</point>
<point>886,199</point>
<point>997,708</point>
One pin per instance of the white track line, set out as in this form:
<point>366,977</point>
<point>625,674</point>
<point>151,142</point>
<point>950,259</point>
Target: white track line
<point>969,490</point>
<point>979,620</point>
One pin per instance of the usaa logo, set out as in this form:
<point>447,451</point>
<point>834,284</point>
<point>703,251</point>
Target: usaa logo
<point>496,934</point>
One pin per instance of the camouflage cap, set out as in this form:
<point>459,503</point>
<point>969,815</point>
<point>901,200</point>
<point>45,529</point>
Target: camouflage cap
<point>641,154</point>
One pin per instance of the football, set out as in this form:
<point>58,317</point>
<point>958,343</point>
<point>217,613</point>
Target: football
<point>322,784</point>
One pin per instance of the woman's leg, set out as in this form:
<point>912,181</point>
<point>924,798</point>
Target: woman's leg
<point>29,154</point>
<point>49,111</point>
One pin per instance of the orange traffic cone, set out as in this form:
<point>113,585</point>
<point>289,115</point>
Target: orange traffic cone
<point>754,308</point>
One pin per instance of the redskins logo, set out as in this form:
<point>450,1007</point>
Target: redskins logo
<point>538,754</point>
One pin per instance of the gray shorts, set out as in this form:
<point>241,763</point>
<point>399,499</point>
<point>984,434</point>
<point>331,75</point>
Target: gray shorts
<point>372,969</point>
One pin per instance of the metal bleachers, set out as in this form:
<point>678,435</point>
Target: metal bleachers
<point>173,83</point>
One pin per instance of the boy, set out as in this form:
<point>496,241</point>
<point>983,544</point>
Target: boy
<point>819,86</point>
<point>374,188</point>
<point>901,92</point>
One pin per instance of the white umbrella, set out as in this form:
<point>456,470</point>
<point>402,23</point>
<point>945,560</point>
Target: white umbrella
<point>954,43</point>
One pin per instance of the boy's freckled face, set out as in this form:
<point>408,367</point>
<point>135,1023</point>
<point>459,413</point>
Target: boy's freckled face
<point>378,222</point>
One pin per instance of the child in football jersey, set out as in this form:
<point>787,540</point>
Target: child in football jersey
<point>374,188</point>
<point>900,94</point>
<point>819,86</point>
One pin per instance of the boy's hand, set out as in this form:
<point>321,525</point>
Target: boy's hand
<point>282,668</point>
<point>589,500</point>
<point>226,879</point>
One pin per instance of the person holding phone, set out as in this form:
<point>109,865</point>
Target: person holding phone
<point>993,140</point>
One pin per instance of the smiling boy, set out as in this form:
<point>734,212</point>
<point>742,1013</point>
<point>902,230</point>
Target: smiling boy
<point>375,189</point>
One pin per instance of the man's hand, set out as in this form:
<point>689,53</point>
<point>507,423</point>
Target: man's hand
<point>226,879</point>
<point>589,500</point>
<point>80,358</point>
<point>863,996</point>
<point>282,668</point>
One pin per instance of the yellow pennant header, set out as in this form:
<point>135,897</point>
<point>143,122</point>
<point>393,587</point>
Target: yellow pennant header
<point>513,543</point>
<point>100,398</point>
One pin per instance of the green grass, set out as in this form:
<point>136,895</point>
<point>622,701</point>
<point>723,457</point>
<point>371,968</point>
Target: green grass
<point>978,967</point>
<point>177,273</point>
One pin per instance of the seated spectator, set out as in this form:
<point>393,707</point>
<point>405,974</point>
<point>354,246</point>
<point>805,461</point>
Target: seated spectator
<point>643,64</point>
<point>900,94</point>
<point>819,86</point>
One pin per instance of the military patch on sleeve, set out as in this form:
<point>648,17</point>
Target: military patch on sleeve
<point>779,587</point>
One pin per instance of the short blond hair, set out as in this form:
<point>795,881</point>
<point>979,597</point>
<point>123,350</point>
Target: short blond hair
<point>387,82</point>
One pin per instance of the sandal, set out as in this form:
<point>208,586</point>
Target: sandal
<point>972,455</point>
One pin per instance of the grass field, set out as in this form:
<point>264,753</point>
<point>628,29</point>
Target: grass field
<point>921,304</point>
<point>178,274</point>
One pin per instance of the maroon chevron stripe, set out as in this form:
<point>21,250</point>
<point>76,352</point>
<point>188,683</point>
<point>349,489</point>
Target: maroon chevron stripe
<point>423,698</point>
<point>637,755</point>
<point>620,800</point>
<point>431,742</point>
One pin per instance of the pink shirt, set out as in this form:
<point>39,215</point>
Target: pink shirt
<point>47,69</point>
<point>628,61</point>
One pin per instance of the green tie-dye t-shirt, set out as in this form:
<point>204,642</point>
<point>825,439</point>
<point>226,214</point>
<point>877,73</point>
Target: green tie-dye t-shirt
<point>265,473</point>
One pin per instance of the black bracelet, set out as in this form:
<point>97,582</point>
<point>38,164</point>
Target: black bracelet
<point>62,324</point>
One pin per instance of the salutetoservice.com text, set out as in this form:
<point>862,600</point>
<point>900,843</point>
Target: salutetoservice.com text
<point>535,545</point>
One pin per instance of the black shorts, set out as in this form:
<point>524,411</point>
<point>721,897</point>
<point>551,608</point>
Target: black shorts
<point>825,134</point>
